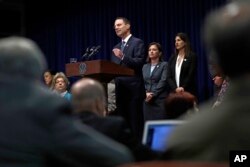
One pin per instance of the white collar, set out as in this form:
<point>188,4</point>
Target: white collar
<point>64,93</point>
<point>127,38</point>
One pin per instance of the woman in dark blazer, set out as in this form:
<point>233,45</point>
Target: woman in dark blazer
<point>181,73</point>
<point>154,75</point>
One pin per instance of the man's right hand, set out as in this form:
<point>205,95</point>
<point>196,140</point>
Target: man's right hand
<point>118,53</point>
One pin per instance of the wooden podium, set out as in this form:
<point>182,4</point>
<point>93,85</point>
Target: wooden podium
<point>101,70</point>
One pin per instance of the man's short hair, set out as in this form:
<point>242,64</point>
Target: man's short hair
<point>125,20</point>
<point>92,90</point>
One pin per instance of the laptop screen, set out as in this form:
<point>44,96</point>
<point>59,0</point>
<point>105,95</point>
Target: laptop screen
<point>156,133</point>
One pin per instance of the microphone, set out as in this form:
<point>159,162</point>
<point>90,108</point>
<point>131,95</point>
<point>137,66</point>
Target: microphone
<point>95,51</point>
<point>97,48</point>
<point>92,49</point>
<point>88,51</point>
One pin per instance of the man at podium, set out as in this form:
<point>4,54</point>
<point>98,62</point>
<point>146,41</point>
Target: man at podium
<point>130,52</point>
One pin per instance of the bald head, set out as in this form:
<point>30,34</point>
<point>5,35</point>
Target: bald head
<point>227,34</point>
<point>21,58</point>
<point>88,95</point>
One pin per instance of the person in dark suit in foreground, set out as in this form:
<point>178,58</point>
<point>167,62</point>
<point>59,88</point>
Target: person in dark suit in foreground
<point>211,135</point>
<point>155,81</point>
<point>89,104</point>
<point>130,93</point>
<point>36,126</point>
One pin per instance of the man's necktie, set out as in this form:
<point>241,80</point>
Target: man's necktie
<point>123,45</point>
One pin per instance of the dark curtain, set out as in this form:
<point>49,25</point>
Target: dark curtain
<point>66,28</point>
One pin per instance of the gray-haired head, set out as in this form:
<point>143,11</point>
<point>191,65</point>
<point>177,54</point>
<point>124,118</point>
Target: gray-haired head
<point>227,34</point>
<point>21,58</point>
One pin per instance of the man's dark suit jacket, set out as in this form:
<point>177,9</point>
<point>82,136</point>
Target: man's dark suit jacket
<point>134,58</point>
<point>134,55</point>
<point>187,75</point>
<point>113,126</point>
<point>37,130</point>
<point>116,128</point>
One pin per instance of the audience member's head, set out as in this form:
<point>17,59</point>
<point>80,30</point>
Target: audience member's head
<point>48,76</point>
<point>60,82</point>
<point>227,34</point>
<point>178,104</point>
<point>89,95</point>
<point>20,58</point>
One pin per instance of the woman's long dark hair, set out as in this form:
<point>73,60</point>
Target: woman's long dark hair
<point>185,38</point>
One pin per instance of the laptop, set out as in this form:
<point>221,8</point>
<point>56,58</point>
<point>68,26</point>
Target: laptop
<point>156,133</point>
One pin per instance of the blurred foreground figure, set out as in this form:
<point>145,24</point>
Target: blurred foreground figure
<point>36,126</point>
